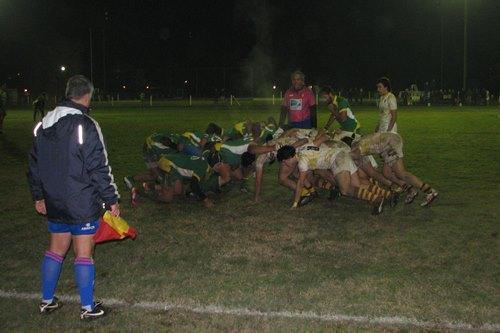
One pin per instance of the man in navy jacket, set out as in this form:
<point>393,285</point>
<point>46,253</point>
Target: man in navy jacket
<point>71,181</point>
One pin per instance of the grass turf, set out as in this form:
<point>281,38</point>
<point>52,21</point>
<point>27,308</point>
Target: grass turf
<point>431,264</point>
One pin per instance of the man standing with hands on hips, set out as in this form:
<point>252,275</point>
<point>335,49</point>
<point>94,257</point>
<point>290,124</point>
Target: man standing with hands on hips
<point>299,104</point>
<point>71,181</point>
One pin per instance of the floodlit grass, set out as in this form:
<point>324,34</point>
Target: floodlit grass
<point>430,264</point>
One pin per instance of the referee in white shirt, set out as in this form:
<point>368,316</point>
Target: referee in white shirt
<point>388,106</point>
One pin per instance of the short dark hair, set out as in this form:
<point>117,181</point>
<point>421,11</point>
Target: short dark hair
<point>385,82</point>
<point>347,140</point>
<point>213,128</point>
<point>78,86</point>
<point>247,159</point>
<point>285,153</point>
<point>327,89</point>
<point>213,158</point>
<point>298,72</point>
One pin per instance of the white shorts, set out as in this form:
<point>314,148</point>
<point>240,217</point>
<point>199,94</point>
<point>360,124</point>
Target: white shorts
<point>343,162</point>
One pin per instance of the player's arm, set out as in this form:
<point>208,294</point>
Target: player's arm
<point>283,115</point>
<point>321,138</point>
<point>258,150</point>
<point>35,182</point>
<point>393,105</point>
<point>394,116</point>
<point>331,119</point>
<point>314,115</point>
<point>96,162</point>
<point>342,116</point>
<point>300,143</point>
<point>299,187</point>
<point>259,176</point>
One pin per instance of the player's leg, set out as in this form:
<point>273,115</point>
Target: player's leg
<point>2,118</point>
<point>350,184</point>
<point>141,183</point>
<point>199,191</point>
<point>237,177</point>
<point>165,193</point>
<point>285,171</point>
<point>60,240</point>
<point>83,246</point>
<point>224,171</point>
<point>416,183</point>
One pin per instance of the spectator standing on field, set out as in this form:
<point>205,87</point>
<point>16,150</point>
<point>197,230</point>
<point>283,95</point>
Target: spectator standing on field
<point>39,106</point>
<point>3,105</point>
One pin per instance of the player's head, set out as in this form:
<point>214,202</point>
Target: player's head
<point>383,85</point>
<point>285,153</point>
<point>268,138</point>
<point>213,128</point>
<point>79,89</point>
<point>348,139</point>
<point>168,142</point>
<point>298,80</point>
<point>247,159</point>
<point>327,92</point>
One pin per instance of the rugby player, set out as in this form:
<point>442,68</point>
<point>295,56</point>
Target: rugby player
<point>333,156</point>
<point>390,147</point>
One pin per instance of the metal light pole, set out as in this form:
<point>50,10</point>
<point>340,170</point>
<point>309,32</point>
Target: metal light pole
<point>464,78</point>
<point>91,64</point>
<point>442,46</point>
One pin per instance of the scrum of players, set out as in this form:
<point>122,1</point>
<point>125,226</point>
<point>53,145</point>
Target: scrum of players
<point>340,162</point>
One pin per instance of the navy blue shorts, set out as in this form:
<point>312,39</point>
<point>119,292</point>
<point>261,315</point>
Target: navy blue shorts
<point>301,124</point>
<point>75,229</point>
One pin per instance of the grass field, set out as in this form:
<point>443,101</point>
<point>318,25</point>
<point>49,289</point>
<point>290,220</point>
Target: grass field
<point>434,265</point>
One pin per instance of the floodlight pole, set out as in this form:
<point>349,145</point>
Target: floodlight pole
<point>103,61</point>
<point>91,64</point>
<point>442,45</point>
<point>464,78</point>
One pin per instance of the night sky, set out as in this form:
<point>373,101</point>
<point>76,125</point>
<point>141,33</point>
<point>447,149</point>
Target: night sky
<point>254,44</point>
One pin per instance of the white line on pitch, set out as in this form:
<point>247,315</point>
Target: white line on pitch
<point>220,310</point>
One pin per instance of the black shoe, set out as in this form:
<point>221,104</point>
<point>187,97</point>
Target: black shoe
<point>46,308</point>
<point>304,200</point>
<point>97,312</point>
<point>334,193</point>
<point>394,199</point>
<point>411,196</point>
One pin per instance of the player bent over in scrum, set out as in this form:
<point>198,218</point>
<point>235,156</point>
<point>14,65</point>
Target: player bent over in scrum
<point>330,156</point>
<point>259,155</point>
<point>368,168</point>
<point>390,147</point>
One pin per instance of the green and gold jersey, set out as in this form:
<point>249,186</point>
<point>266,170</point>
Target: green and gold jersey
<point>186,166</point>
<point>350,124</point>
<point>154,146</point>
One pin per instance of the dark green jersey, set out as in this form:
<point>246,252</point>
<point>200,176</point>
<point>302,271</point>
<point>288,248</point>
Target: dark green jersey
<point>350,124</point>
<point>186,166</point>
<point>155,146</point>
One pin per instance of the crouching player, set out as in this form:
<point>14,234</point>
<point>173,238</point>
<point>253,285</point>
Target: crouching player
<point>335,157</point>
<point>177,170</point>
<point>340,112</point>
<point>390,147</point>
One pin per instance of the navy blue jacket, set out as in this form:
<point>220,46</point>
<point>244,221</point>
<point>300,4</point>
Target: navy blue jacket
<point>68,166</point>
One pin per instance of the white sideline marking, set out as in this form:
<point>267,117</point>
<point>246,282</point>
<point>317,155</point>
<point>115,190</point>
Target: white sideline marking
<point>216,309</point>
